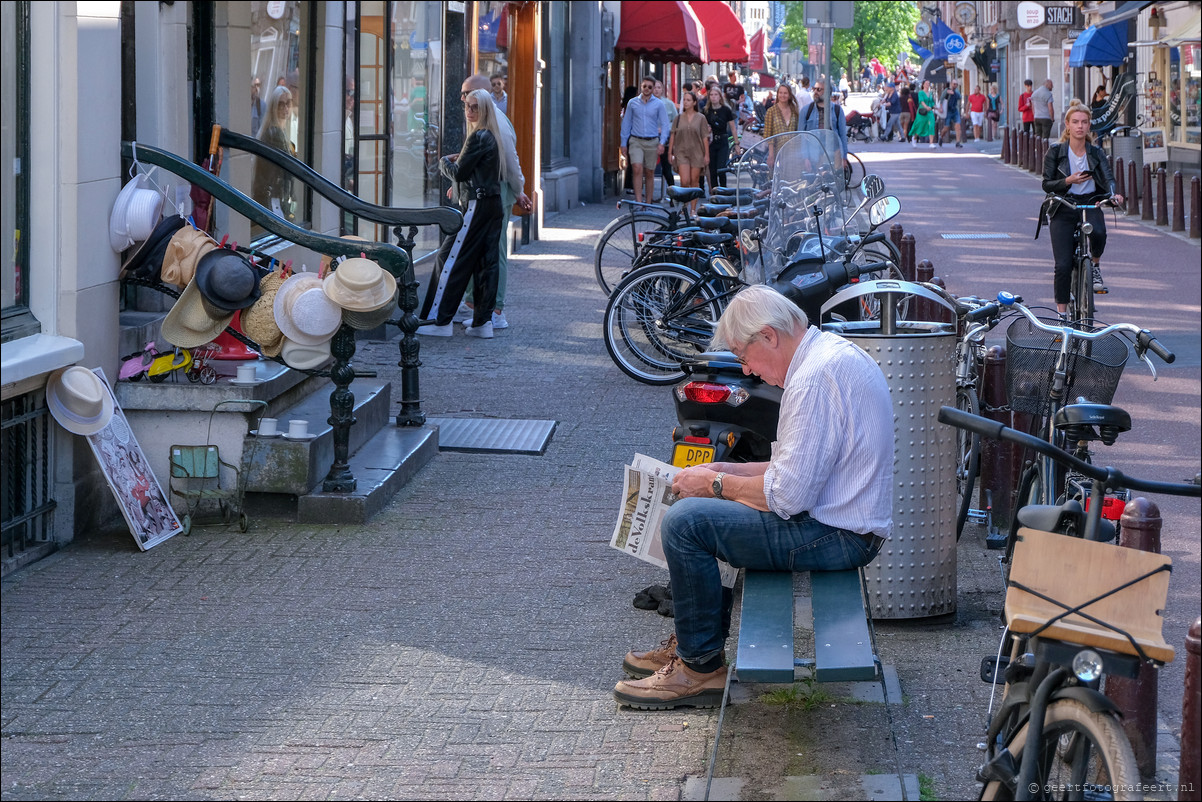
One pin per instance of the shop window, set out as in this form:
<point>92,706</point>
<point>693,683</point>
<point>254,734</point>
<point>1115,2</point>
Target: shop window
<point>1185,93</point>
<point>14,172</point>
<point>556,80</point>
<point>280,97</point>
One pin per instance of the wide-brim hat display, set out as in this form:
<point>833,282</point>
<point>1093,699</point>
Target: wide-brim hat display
<point>189,324</point>
<point>227,281</point>
<point>183,253</point>
<point>328,262</point>
<point>304,312</point>
<point>79,400</point>
<point>366,321</point>
<point>305,357</point>
<point>360,285</point>
<point>146,262</point>
<point>258,322</point>
<point>120,233</point>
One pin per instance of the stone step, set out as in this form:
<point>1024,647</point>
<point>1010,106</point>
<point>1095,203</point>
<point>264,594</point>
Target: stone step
<point>279,465</point>
<point>381,467</point>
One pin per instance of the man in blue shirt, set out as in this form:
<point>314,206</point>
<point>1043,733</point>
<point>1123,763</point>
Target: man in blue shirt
<point>645,131</point>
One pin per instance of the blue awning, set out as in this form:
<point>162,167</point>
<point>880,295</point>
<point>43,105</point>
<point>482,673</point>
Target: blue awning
<point>1123,12</point>
<point>939,33</point>
<point>1099,47</point>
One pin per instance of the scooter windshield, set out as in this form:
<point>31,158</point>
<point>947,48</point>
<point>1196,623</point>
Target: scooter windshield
<point>801,175</point>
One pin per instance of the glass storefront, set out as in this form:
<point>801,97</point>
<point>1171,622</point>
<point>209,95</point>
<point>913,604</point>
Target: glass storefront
<point>14,156</point>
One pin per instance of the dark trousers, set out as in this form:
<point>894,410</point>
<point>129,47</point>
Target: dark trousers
<point>719,153</point>
<point>1060,230</point>
<point>665,169</point>
<point>470,255</point>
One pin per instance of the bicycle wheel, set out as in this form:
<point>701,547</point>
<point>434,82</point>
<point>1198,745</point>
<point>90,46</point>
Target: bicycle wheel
<point>1081,308</point>
<point>659,316</point>
<point>618,246</point>
<point>1083,755</point>
<point>969,463</point>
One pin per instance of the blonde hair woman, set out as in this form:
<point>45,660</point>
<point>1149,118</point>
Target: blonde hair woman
<point>477,170</point>
<point>782,117</point>
<point>271,187</point>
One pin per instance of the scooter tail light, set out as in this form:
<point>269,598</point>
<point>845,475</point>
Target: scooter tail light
<point>711,393</point>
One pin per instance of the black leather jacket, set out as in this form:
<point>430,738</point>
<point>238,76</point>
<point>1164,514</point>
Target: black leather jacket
<point>1056,170</point>
<point>478,171</point>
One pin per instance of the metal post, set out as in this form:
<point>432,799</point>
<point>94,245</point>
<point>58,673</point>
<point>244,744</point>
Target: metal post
<point>342,407</point>
<point>1162,199</point>
<point>410,413</point>
<point>1133,190</point>
<point>1195,207</point>
<point>907,253</point>
<point>938,312</point>
<point>997,482</point>
<point>1005,132</point>
<point>1136,698</point>
<point>1189,776</point>
<point>1015,158</point>
<point>1178,201</point>
<point>1146,199</point>
<point>1120,177</point>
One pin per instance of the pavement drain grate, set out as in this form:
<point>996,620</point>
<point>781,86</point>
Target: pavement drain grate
<point>975,236</point>
<point>493,435</point>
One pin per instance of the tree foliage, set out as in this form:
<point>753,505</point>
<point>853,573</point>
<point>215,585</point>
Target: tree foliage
<point>881,29</point>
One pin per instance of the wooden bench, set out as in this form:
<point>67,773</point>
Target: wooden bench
<point>842,642</point>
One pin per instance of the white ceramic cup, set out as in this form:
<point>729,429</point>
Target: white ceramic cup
<point>267,426</point>
<point>298,428</point>
<point>246,373</point>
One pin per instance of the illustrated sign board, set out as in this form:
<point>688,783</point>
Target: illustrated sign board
<point>1029,14</point>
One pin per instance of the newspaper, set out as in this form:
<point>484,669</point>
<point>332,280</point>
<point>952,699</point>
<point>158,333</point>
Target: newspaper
<point>646,496</point>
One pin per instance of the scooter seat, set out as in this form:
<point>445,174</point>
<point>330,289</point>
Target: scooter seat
<point>712,209</point>
<point>726,224</point>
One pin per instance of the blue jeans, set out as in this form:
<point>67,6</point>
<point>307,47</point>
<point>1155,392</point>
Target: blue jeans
<point>696,532</point>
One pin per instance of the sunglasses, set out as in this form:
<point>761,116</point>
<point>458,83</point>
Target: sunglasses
<point>472,106</point>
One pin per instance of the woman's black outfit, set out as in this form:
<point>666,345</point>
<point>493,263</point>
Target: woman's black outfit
<point>272,182</point>
<point>719,118</point>
<point>472,252</point>
<point>1061,221</point>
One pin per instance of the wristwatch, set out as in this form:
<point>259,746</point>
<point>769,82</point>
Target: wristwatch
<point>717,485</point>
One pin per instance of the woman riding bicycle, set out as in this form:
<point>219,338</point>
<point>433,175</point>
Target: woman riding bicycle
<point>1076,169</point>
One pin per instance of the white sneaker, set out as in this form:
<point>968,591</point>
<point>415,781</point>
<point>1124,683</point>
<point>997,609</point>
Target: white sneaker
<point>913,142</point>
<point>435,330</point>
<point>467,321</point>
<point>484,332</point>
<point>932,146</point>
<point>499,321</point>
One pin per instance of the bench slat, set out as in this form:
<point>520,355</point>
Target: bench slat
<point>842,644</point>
<point>766,627</point>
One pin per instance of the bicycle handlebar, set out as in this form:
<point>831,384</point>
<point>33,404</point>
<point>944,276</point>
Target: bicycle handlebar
<point>1112,477</point>
<point>1144,339</point>
<point>1110,202</point>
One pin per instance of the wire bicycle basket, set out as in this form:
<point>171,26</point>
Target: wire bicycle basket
<point>1093,370</point>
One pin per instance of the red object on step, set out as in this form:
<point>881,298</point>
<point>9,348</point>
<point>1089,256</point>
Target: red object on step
<point>230,348</point>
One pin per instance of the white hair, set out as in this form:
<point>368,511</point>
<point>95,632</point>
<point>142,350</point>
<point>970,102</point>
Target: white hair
<point>751,310</point>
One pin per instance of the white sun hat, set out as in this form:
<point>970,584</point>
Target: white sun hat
<point>304,313</point>
<point>79,400</point>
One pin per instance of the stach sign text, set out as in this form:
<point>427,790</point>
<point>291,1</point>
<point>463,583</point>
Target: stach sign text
<point>1060,15</point>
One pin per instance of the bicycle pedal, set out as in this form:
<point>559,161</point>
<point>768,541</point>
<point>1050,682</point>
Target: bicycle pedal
<point>1102,291</point>
<point>995,540</point>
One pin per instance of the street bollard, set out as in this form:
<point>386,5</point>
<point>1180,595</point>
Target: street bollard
<point>1188,776</point>
<point>1024,160</point>
<point>1145,199</point>
<point>1005,145</point>
<point>923,271</point>
<point>996,483</point>
<point>1195,207</point>
<point>907,254</point>
<point>895,236</point>
<point>1136,698</point>
<point>1133,187</point>
<point>1178,201</point>
<point>1119,177</point>
<point>1020,148</point>
<point>938,312</point>
<point>1162,199</point>
<point>1014,157</point>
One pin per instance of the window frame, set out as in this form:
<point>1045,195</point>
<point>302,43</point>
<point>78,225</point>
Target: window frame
<point>17,320</point>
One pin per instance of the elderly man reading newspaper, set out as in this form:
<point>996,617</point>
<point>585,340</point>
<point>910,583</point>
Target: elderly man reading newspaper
<point>823,502</point>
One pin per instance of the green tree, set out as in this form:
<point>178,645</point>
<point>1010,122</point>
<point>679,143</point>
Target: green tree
<point>881,28</point>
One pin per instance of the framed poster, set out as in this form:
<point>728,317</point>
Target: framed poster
<point>1154,146</point>
<point>138,493</point>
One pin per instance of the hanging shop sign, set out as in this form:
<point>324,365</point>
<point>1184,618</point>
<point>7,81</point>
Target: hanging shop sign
<point>1059,15</point>
<point>1029,14</point>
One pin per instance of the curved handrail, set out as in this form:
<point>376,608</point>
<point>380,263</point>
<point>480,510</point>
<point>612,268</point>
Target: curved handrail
<point>447,218</point>
<point>392,258</point>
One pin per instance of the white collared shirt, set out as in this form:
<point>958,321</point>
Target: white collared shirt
<point>833,456</point>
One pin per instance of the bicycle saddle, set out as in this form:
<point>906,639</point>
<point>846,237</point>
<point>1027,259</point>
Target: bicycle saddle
<point>1065,519</point>
<point>712,238</point>
<point>1086,421</point>
<point>740,193</point>
<point>726,224</point>
<point>712,209</point>
<point>685,194</point>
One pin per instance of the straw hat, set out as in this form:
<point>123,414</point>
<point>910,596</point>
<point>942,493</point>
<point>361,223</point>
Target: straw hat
<point>258,322</point>
<point>189,324</point>
<point>79,400</point>
<point>183,253</point>
<point>360,285</point>
<point>366,321</point>
<point>303,312</point>
<point>305,357</point>
<point>146,261</point>
<point>227,281</point>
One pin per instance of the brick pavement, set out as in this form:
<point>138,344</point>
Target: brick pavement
<point>464,643</point>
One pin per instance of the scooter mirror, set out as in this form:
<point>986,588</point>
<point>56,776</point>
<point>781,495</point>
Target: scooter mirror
<point>873,186</point>
<point>884,210</point>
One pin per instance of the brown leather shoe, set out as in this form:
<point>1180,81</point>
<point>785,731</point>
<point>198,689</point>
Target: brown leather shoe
<point>674,685</point>
<point>644,664</point>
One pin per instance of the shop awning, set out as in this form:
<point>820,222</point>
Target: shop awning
<point>1099,47</point>
<point>1123,12</point>
<point>668,31</point>
<point>1191,31</point>
<point>725,38</point>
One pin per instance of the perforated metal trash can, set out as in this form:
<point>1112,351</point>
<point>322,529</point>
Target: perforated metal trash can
<point>914,576</point>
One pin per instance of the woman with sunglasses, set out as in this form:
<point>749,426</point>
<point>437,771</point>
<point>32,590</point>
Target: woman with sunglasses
<point>272,186</point>
<point>477,172</point>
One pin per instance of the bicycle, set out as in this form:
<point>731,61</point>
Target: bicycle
<point>1070,621</point>
<point>1081,301</point>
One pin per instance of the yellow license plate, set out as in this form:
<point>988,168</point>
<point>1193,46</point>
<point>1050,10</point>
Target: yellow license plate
<point>686,455</point>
